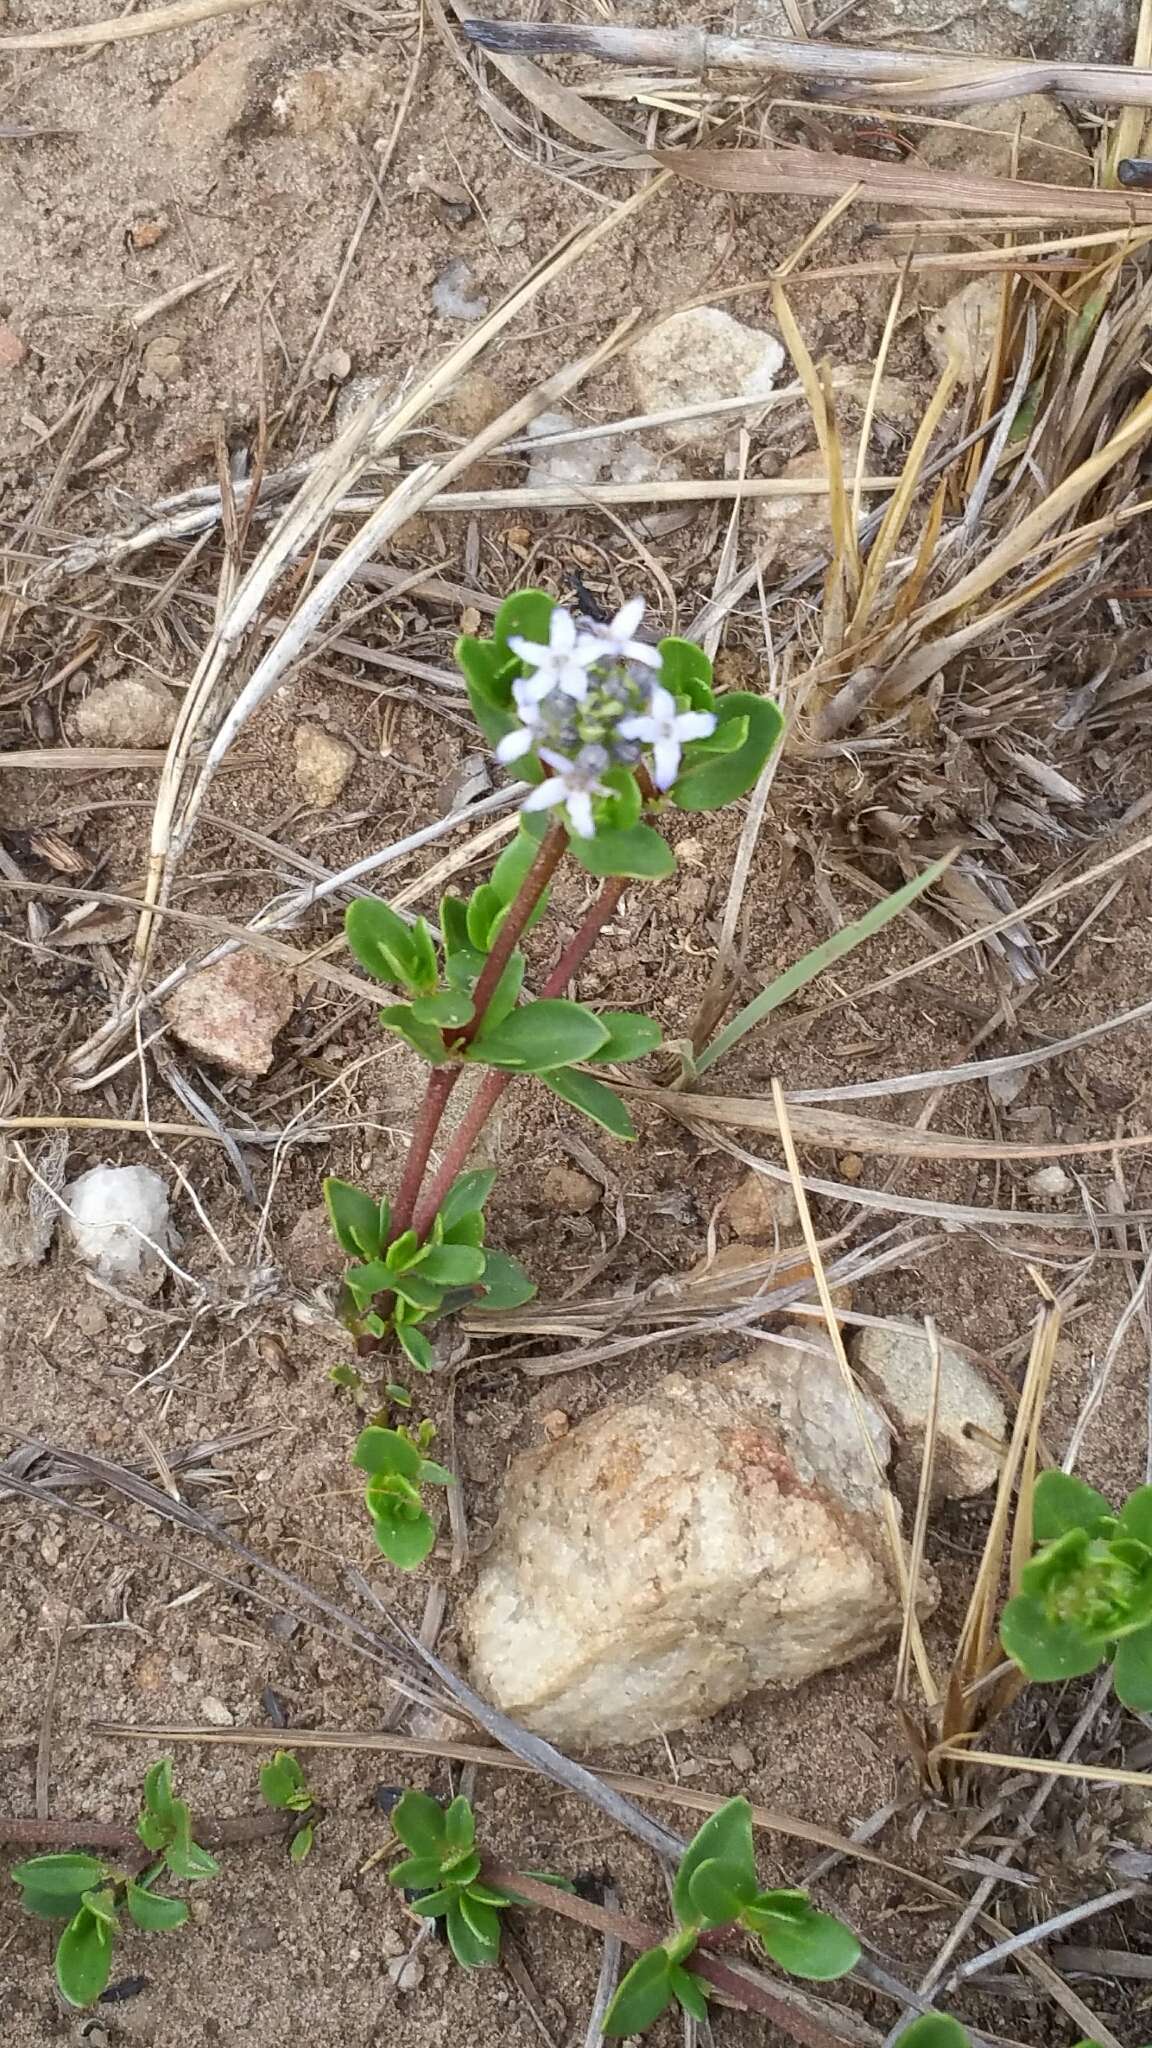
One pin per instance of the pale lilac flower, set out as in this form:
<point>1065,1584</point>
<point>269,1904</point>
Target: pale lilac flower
<point>613,640</point>
<point>666,731</point>
<point>573,783</point>
<point>562,665</point>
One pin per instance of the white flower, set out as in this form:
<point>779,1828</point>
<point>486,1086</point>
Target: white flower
<point>573,783</point>
<point>666,731</point>
<point>524,738</point>
<point>562,665</point>
<point>613,639</point>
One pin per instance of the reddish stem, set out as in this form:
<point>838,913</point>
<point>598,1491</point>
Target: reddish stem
<point>112,1835</point>
<point>442,1080</point>
<point>801,2027</point>
<point>496,1079</point>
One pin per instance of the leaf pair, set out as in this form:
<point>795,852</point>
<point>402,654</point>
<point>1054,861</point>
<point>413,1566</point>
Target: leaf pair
<point>390,949</point>
<point>1086,1594</point>
<point>285,1787</point>
<point>717,1886</point>
<point>398,1469</point>
<point>444,1871</point>
<point>89,1893</point>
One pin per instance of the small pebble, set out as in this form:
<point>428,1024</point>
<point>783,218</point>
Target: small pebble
<point>742,1757</point>
<point>1050,1182</point>
<point>851,1166</point>
<point>406,1975</point>
<point>216,1713</point>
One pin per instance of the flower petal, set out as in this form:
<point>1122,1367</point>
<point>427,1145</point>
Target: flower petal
<point>557,761</point>
<point>638,727</point>
<point>514,744</point>
<point>531,652</point>
<point>545,793</point>
<point>561,632</point>
<point>695,725</point>
<point>665,762</point>
<point>580,814</point>
<point>573,680</point>
<point>662,704</point>
<point>627,619</point>
<point>642,651</point>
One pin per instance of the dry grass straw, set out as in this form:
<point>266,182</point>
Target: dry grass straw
<point>123,28</point>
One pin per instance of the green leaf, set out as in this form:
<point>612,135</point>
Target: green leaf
<point>189,1860</point>
<point>460,1824</point>
<point>689,1992</point>
<point>719,1892</point>
<point>720,778</point>
<point>1132,1673</point>
<point>1061,1503</point>
<point>505,1283</point>
<point>158,1796</point>
<point>468,1193</point>
<point>50,1905</point>
<point>600,1103</point>
<point>404,1536</point>
<point>402,1251</point>
<point>484,907</point>
<point>424,954</point>
<point>153,1913</point>
<point>809,1944</point>
<point>937,2030</point>
<point>469,1230</point>
<point>506,993</point>
<point>417,1347</point>
<point>462,1868</point>
<point>419,1821</point>
<point>725,1838</point>
<point>84,1958</point>
<point>814,963</point>
<point>624,808</point>
<point>454,925</point>
<point>385,1450</point>
<point>513,865</point>
<point>450,1007</point>
<point>301,1844</point>
<point>686,670</point>
<point>152,1832</point>
<point>64,1876</point>
<point>1136,1516</point>
<point>103,1904</point>
<point>282,1781</point>
<point>384,944</point>
<point>433,1904</point>
<point>474,1940</point>
<point>423,1038</point>
<point>630,1036</point>
<point>355,1219</point>
<point>453,1265</point>
<point>422,1293</point>
<point>364,1283</point>
<point>638,852</point>
<point>432,1474</point>
<point>541,1036</point>
<point>416,1873</point>
<point>1044,1649</point>
<point>641,1997</point>
<point>526,615</point>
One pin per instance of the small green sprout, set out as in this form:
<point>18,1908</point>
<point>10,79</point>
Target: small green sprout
<point>286,1788</point>
<point>444,1869</point>
<point>717,1886</point>
<point>1086,1594</point>
<point>397,1467</point>
<point>937,2030</point>
<point>89,1893</point>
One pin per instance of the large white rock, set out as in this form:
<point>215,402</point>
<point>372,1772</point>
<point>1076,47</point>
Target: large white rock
<point>898,1365</point>
<point>700,354</point>
<point>119,1222</point>
<point>674,1553</point>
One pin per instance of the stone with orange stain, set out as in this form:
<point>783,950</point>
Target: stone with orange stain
<point>669,1555</point>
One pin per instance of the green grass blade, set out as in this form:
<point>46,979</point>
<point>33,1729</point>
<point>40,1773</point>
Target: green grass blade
<point>814,963</point>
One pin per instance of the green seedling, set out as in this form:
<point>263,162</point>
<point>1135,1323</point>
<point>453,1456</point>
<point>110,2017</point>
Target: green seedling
<point>609,731</point>
<point>717,1886</point>
<point>937,2030</point>
<point>397,1471</point>
<point>286,1788</point>
<point>444,1874</point>
<point>1085,1596</point>
<point>89,1893</point>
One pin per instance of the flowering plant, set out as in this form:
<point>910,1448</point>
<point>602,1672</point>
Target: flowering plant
<point>608,730</point>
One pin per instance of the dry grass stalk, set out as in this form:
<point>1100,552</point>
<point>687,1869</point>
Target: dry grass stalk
<point>897,77</point>
<point>122,28</point>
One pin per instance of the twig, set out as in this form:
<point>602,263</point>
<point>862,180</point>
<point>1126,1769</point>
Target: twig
<point>100,1834</point>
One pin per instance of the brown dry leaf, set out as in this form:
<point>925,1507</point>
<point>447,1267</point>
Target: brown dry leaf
<point>821,174</point>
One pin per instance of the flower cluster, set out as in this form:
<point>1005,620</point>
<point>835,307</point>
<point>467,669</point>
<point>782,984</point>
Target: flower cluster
<point>592,699</point>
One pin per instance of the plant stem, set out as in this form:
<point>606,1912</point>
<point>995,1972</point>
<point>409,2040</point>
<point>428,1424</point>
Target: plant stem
<point>442,1080</point>
<point>497,1079</point>
<point>800,2026</point>
<point>101,1834</point>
